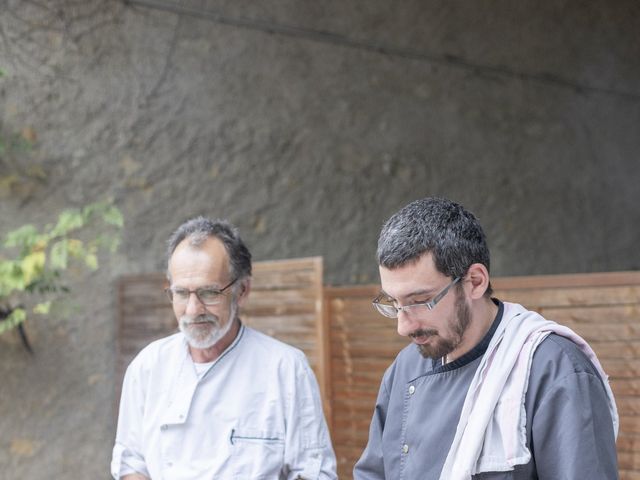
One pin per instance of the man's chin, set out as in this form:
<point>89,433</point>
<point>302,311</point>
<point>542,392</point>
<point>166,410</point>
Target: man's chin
<point>426,350</point>
<point>199,336</point>
<point>433,350</point>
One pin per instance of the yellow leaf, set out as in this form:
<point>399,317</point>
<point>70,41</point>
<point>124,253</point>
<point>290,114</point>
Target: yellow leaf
<point>75,247</point>
<point>40,245</point>
<point>91,261</point>
<point>42,308</point>
<point>32,265</point>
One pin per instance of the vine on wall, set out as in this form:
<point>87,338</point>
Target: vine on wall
<point>33,261</point>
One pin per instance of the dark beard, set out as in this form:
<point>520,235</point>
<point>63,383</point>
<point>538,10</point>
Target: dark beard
<point>444,346</point>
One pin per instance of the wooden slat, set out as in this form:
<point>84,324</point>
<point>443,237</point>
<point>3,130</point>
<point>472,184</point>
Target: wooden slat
<point>621,367</point>
<point>566,280</point>
<point>575,296</point>
<point>600,315</point>
<point>628,442</point>
<point>629,424</point>
<point>629,461</point>
<point>625,387</point>
<point>618,349</point>
<point>629,404</point>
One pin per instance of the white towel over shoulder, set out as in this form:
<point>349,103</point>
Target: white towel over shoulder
<point>491,435</point>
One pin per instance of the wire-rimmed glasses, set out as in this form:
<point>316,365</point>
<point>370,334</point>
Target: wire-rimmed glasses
<point>207,295</point>
<point>387,307</point>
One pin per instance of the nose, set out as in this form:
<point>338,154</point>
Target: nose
<point>406,324</point>
<point>194,306</point>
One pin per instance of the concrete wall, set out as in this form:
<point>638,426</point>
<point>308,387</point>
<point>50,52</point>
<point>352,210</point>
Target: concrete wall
<point>307,124</point>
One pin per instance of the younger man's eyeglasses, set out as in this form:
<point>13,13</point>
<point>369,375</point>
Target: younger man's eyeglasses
<point>387,307</point>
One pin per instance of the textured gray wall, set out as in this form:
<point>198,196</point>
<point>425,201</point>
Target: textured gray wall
<point>307,124</point>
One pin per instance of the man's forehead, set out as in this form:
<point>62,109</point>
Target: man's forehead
<point>413,278</point>
<point>424,264</point>
<point>210,255</point>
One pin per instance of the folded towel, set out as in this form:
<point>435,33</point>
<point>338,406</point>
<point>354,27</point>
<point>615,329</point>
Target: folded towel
<point>490,439</point>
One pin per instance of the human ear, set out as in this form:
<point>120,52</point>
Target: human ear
<point>478,278</point>
<point>245,288</point>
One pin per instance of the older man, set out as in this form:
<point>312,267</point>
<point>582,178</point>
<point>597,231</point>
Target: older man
<point>218,400</point>
<point>488,390</point>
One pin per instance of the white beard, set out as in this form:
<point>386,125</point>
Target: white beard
<point>202,336</point>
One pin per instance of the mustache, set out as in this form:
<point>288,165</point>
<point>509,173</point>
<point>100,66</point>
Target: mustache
<point>203,318</point>
<point>423,333</point>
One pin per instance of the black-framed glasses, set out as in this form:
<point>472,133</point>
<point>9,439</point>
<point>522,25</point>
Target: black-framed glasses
<point>387,307</point>
<point>206,295</point>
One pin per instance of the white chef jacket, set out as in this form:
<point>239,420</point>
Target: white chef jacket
<point>255,414</point>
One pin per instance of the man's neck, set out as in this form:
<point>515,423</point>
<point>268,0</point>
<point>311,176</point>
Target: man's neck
<point>206,355</point>
<point>483,313</point>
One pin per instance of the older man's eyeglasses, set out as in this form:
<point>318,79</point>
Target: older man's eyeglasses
<point>206,295</point>
<point>387,307</point>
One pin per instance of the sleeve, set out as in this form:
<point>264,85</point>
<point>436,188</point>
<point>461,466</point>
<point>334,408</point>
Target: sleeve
<point>127,452</point>
<point>572,431</point>
<point>370,466</point>
<point>308,451</point>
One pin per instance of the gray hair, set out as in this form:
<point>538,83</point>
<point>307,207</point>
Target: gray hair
<point>438,226</point>
<point>198,229</point>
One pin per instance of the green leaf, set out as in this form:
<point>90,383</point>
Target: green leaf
<point>113,216</point>
<point>11,277</point>
<point>91,209</point>
<point>25,236</point>
<point>59,254</point>
<point>68,221</point>
<point>42,308</point>
<point>113,245</point>
<point>14,319</point>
